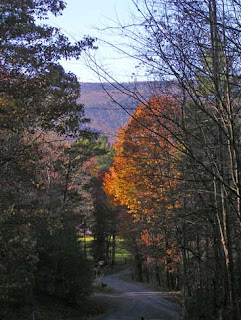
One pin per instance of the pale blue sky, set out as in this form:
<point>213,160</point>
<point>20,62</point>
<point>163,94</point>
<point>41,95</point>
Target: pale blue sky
<point>84,17</point>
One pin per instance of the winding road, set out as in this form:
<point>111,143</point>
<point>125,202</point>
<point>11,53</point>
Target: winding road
<point>133,301</point>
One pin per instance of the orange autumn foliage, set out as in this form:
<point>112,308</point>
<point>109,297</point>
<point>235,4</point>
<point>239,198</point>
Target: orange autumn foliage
<point>144,166</point>
<point>144,173</point>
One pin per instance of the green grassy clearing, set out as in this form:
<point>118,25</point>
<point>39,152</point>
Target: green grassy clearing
<point>122,255</point>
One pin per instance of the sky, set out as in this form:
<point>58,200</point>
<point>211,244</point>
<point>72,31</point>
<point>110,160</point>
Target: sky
<point>90,17</point>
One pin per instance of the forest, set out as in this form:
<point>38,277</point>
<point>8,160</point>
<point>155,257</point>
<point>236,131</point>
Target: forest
<point>169,185</point>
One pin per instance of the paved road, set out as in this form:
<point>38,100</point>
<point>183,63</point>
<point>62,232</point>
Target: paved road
<point>132,301</point>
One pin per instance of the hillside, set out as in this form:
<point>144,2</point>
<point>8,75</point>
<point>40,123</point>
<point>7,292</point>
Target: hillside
<point>110,106</point>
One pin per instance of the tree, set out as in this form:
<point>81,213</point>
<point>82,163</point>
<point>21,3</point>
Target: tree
<point>42,196</point>
<point>42,94</point>
<point>42,226</point>
<point>144,178</point>
<point>196,46</point>
<point>103,219</point>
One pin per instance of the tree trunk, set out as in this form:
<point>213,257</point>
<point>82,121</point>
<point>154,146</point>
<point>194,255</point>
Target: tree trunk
<point>113,250</point>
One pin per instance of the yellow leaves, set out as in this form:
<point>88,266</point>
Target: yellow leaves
<point>38,185</point>
<point>3,103</point>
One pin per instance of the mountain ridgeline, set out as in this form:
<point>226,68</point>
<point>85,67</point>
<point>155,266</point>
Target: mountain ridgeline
<point>110,106</point>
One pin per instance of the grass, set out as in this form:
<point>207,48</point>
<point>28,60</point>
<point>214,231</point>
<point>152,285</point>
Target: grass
<point>122,255</point>
<point>87,239</point>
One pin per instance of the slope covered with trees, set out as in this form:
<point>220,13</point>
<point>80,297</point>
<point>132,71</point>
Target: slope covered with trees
<point>110,106</point>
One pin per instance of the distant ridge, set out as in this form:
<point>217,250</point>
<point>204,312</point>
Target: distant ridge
<point>108,116</point>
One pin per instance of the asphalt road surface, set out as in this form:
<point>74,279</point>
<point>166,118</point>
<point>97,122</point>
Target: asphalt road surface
<point>133,301</point>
